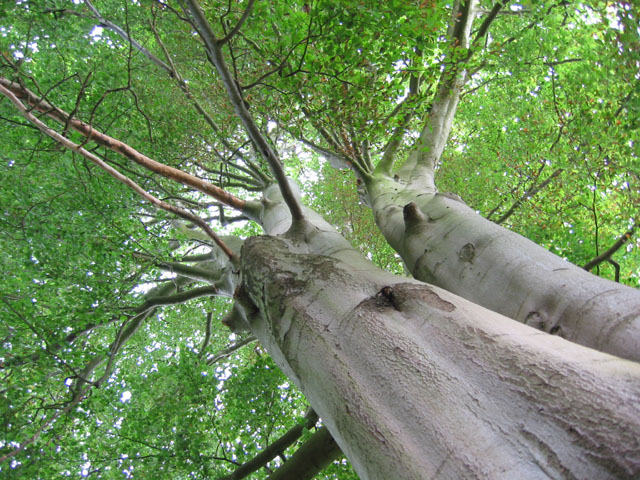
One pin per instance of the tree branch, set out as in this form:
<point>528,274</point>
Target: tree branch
<point>214,51</point>
<point>90,133</point>
<point>127,37</point>
<point>491,16</point>
<point>605,256</point>
<point>188,271</point>
<point>207,335</point>
<point>229,350</point>
<point>528,194</point>
<point>272,451</point>
<point>178,298</point>
<point>421,163</point>
<point>385,164</point>
<point>238,26</point>
<point>311,458</point>
<point>44,426</point>
<point>184,87</point>
<point>116,174</point>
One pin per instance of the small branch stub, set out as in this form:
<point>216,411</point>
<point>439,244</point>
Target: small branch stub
<point>412,216</point>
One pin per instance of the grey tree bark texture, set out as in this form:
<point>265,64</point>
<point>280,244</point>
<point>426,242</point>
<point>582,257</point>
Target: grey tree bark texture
<point>414,382</point>
<point>444,242</point>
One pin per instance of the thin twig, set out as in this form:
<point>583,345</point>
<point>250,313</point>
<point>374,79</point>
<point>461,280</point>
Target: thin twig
<point>207,335</point>
<point>528,194</point>
<point>229,350</point>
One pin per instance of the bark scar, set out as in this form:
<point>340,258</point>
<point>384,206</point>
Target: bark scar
<point>386,296</point>
<point>467,253</point>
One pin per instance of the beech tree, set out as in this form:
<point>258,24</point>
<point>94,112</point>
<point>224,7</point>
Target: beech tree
<point>345,239</point>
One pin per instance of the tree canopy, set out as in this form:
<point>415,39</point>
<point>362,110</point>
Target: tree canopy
<point>117,360</point>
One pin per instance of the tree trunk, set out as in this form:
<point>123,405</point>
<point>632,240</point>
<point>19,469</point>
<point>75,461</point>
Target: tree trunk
<point>444,242</point>
<point>414,382</point>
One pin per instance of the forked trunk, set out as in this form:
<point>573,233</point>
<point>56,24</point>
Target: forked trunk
<point>444,242</point>
<point>414,382</point>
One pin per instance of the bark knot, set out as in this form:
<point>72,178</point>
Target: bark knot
<point>467,253</point>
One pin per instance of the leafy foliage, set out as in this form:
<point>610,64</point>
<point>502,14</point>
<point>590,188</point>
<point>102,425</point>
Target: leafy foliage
<point>554,95</point>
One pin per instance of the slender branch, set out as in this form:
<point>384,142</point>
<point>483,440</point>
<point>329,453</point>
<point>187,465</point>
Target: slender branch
<point>45,425</point>
<point>238,26</point>
<point>491,16</point>
<point>69,339</point>
<point>229,350</point>
<point>311,458</point>
<point>528,194</point>
<point>214,51</point>
<point>329,138</point>
<point>274,450</point>
<point>184,86</point>
<point>90,133</point>
<point>115,173</point>
<point>388,157</point>
<point>282,64</point>
<point>207,335</point>
<point>125,35</point>
<point>605,256</point>
<point>188,271</point>
<point>616,267</point>
<point>178,298</point>
<point>438,124</point>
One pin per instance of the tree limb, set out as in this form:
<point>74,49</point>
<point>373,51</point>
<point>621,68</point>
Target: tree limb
<point>188,271</point>
<point>388,156</point>
<point>273,450</point>
<point>214,52</point>
<point>528,194</point>
<point>184,87</point>
<point>311,458</point>
<point>115,173</point>
<point>207,335</point>
<point>491,16</point>
<point>178,298</point>
<point>127,37</point>
<point>90,133</point>
<point>238,26</point>
<point>605,256</point>
<point>229,350</point>
<point>433,137</point>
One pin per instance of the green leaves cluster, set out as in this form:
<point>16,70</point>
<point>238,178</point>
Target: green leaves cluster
<point>554,94</point>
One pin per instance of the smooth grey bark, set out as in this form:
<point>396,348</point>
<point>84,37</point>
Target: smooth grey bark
<point>444,242</point>
<point>414,382</point>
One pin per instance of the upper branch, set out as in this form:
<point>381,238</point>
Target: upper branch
<point>437,127</point>
<point>172,71</point>
<point>125,35</point>
<point>238,26</point>
<point>491,16</point>
<point>214,50</point>
<point>388,156</point>
<point>272,451</point>
<point>528,194</point>
<point>115,173</point>
<point>86,130</point>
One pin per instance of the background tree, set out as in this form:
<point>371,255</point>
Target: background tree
<point>113,289</point>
